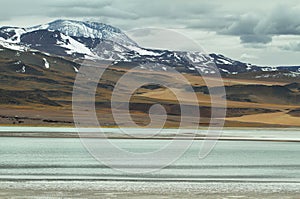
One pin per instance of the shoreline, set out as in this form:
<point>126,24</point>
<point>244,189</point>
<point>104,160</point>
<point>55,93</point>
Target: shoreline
<point>167,128</point>
<point>145,190</point>
<point>227,134</point>
<point>229,139</point>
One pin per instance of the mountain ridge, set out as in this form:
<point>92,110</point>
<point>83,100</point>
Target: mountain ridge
<point>93,40</point>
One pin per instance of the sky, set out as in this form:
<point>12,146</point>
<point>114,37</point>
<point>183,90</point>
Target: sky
<point>256,31</point>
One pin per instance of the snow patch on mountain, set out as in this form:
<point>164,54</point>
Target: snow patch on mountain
<point>223,61</point>
<point>74,46</point>
<point>269,69</point>
<point>142,51</point>
<point>75,69</point>
<point>22,70</point>
<point>47,65</point>
<point>12,46</point>
<point>13,34</point>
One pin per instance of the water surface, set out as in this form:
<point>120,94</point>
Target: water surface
<point>62,167</point>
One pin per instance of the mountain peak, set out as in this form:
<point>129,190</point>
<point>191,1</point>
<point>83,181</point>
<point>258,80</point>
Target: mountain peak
<point>79,25</point>
<point>88,29</point>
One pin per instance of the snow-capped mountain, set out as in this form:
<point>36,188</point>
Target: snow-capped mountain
<point>93,30</point>
<point>92,40</point>
<point>66,37</point>
<point>45,40</point>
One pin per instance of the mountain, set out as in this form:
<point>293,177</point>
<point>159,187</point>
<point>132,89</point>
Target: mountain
<point>92,30</point>
<point>92,40</point>
<point>38,67</point>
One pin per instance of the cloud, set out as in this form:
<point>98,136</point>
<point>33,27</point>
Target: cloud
<point>254,26</point>
<point>283,20</point>
<point>260,28</point>
<point>141,32</point>
<point>246,56</point>
<point>244,25</point>
<point>90,8</point>
<point>263,39</point>
<point>14,8</point>
<point>160,38</point>
<point>76,3</point>
<point>291,47</point>
<point>255,45</point>
<point>91,12</point>
<point>211,22</point>
<point>132,9</point>
<point>245,28</point>
<point>246,21</point>
<point>169,9</point>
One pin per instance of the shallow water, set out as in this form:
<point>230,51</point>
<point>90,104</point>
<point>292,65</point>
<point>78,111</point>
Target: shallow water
<point>232,167</point>
<point>66,158</point>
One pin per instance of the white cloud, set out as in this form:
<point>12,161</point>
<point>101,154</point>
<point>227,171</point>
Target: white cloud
<point>248,57</point>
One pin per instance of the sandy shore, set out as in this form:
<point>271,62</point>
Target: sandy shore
<point>228,134</point>
<point>141,137</point>
<point>88,189</point>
